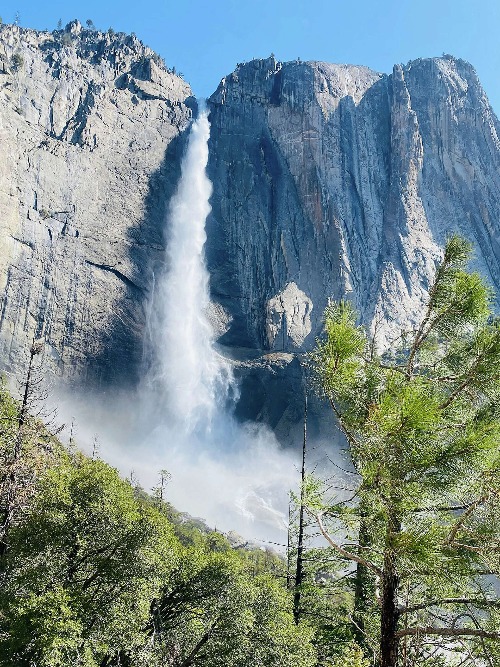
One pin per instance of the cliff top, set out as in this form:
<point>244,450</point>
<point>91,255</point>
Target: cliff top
<point>298,83</point>
<point>112,51</point>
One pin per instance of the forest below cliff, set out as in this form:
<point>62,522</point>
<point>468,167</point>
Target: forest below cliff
<point>96,572</point>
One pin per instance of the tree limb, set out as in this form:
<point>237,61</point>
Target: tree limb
<point>437,603</point>
<point>343,552</point>
<point>448,632</point>
<point>463,518</point>
<point>463,385</point>
<point>350,436</point>
<point>421,334</point>
<point>443,508</point>
<point>189,660</point>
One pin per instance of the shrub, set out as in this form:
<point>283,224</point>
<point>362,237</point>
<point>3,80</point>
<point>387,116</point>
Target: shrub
<point>16,62</point>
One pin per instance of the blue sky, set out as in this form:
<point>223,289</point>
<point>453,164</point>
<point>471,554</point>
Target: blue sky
<point>205,40</point>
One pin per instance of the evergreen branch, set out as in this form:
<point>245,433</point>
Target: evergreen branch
<point>350,436</point>
<point>463,518</point>
<point>463,385</point>
<point>470,547</point>
<point>442,508</point>
<point>480,603</point>
<point>421,334</point>
<point>448,632</point>
<point>388,367</point>
<point>458,390</point>
<point>343,552</point>
<point>427,324</point>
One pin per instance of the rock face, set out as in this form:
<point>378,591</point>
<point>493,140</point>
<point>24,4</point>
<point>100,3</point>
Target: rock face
<point>336,181</point>
<point>90,143</point>
<point>288,321</point>
<point>329,181</point>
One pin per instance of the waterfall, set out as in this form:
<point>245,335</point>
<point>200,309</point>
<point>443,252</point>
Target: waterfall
<point>193,378</point>
<point>234,475</point>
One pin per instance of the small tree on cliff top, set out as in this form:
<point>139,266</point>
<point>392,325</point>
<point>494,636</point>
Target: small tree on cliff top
<point>423,426</point>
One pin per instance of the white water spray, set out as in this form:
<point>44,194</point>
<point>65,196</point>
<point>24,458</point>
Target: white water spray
<point>235,476</point>
<point>194,377</point>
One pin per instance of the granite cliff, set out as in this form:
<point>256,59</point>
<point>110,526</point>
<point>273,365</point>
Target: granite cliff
<point>334,181</point>
<point>90,127</point>
<point>329,180</point>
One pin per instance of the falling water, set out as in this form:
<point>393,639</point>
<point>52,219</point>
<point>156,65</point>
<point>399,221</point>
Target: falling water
<point>195,379</point>
<point>234,475</point>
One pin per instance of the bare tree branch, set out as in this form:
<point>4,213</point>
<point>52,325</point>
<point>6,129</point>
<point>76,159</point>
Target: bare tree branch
<point>343,552</point>
<point>477,602</point>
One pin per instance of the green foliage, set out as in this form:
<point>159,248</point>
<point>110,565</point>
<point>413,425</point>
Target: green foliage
<point>26,451</point>
<point>211,604</point>
<point>100,573</point>
<point>86,543</point>
<point>351,656</point>
<point>337,356</point>
<point>423,427</point>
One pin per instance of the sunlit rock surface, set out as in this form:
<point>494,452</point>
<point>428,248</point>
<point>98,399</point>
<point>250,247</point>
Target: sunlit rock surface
<point>330,181</point>
<point>343,183</point>
<point>88,161</point>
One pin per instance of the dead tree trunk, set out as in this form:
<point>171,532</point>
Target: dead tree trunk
<point>299,570</point>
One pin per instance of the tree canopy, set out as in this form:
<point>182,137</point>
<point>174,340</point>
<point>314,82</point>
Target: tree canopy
<point>97,573</point>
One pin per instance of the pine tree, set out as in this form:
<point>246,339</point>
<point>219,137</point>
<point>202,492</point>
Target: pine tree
<point>423,425</point>
<point>13,478</point>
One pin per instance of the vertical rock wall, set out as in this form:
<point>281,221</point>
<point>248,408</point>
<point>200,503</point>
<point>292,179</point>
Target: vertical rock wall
<point>91,130</point>
<point>343,181</point>
<point>333,181</point>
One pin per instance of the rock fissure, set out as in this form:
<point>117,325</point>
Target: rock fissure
<point>116,272</point>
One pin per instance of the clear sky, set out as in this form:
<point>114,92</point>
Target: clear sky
<point>204,40</point>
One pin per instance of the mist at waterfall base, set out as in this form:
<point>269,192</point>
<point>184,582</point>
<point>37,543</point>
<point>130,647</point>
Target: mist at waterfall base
<point>236,477</point>
<point>180,419</point>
